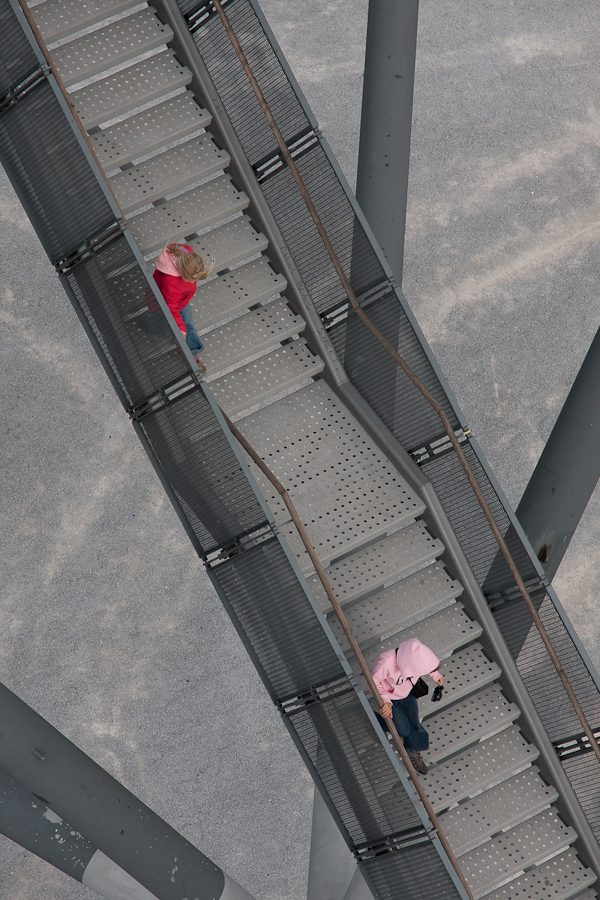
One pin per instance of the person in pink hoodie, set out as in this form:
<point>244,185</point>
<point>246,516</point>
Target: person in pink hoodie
<point>178,270</point>
<point>395,673</point>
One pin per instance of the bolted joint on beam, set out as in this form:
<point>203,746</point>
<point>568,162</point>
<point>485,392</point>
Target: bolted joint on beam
<point>23,88</point>
<point>90,246</point>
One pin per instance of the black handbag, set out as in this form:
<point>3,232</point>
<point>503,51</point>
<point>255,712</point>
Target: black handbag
<point>420,688</point>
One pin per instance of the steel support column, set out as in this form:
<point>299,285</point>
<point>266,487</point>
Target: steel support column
<point>568,469</point>
<point>384,151</point>
<point>133,840</point>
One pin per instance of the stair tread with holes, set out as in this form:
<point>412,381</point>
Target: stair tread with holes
<point>508,804</point>
<point>385,561</point>
<point>408,600</point>
<point>508,854</point>
<point>560,878</point>
<point>129,89</point>
<point>253,333</point>
<point>149,131</point>
<point>229,244</point>
<point>168,172</point>
<point>345,490</point>
<point>110,46</point>
<point>472,719</point>
<point>265,377</point>
<point>478,768</point>
<point>57,19</point>
<point>465,672</point>
<point>376,618</point>
<point>233,292</point>
<point>187,213</point>
<point>444,631</point>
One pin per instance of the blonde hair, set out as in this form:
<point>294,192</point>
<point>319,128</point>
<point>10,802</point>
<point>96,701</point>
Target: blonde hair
<point>192,267</point>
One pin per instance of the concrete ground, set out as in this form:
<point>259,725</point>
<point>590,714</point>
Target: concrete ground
<point>108,626</point>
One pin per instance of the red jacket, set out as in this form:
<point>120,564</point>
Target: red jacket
<point>176,291</point>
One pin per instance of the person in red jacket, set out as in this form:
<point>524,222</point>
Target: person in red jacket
<point>178,270</point>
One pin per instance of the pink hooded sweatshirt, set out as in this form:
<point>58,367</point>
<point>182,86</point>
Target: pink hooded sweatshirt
<point>396,671</point>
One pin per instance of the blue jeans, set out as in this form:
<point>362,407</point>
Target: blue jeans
<point>191,335</point>
<point>405,714</point>
<point>156,323</point>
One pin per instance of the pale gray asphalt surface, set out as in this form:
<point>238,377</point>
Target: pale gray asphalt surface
<point>109,627</point>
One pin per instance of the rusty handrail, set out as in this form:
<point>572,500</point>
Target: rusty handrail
<point>415,381</point>
<point>398,742</point>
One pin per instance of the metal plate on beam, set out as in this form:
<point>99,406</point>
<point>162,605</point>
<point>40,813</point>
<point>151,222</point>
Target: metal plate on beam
<point>129,89</point>
<point>247,335</point>
<point>168,172</point>
<point>345,489</point>
<point>235,291</point>
<point>265,377</point>
<point>149,131</point>
<point>187,213</point>
<point>383,562</point>
<point>478,768</point>
<point>57,19</point>
<point>558,879</point>
<point>504,806</point>
<point>110,46</point>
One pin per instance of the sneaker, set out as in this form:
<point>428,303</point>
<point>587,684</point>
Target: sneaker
<point>201,366</point>
<point>415,758</point>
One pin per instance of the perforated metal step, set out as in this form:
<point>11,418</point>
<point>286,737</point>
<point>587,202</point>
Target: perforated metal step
<point>190,212</point>
<point>390,611</point>
<point>505,806</point>
<point>389,559</point>
<point>478,768</point>
<point>129,89</point>
<point>229,294</point>
<point>57,19</point>
<point>466,671</point>
<point>509,854</point>
<point>473,719</point>
<point>256,331</point>
<point>265,377</point>
<point>148,131</point>
<point>443,631</point>
<point>344,488</point>
<point>110,46</point>
<point>230,244</point>
<point>168,172</point>
<point>558,879</point>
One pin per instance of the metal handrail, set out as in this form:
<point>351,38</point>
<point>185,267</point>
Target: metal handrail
<point>413,378</point>
<point>398,742</point>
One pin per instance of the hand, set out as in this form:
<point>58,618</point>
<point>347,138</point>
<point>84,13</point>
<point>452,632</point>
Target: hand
<point>440,680</point>
<point>386,710</point>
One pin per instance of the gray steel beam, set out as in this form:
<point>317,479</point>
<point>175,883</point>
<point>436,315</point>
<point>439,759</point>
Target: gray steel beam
<point>27,821</point>
<point>77,790</point>
<point>384,150</point>
<point>331,865</point>
<point>568,469</point>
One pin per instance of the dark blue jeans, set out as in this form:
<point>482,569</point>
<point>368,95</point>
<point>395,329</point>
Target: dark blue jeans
<point>191,335</point>
<point>156,323</point>
<point>405,714</point>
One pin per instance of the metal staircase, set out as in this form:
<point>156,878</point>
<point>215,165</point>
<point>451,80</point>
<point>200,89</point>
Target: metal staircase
<point>364,516</point>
